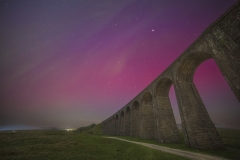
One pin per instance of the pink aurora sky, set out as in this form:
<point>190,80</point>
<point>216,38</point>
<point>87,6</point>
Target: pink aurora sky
<point>73,63</point>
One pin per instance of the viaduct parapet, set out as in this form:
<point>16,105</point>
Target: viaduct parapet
<point>149,115</point>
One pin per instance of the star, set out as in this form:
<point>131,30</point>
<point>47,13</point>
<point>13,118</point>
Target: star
<point>152,30</point>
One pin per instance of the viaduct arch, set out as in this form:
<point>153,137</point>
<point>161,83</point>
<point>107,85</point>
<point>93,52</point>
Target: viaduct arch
<point>135,119</point>
<point>149,115</point>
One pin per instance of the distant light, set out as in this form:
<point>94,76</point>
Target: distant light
<point>152,30</point>
<point>69,129</point>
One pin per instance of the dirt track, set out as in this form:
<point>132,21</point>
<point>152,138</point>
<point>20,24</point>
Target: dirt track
<point>187,154</point>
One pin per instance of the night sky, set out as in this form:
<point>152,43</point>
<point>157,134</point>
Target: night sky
<point>70,63</point>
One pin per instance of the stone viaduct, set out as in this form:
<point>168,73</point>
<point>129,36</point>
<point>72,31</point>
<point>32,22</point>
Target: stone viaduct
<point>149,115</point>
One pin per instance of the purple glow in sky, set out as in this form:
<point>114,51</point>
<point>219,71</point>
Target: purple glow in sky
<point>69,63</point>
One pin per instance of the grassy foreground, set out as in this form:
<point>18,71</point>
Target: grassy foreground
<point>71,145</point>
<point>90,143</point>
<point>230,138</point>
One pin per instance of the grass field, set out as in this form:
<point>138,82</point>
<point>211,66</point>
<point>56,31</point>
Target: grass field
<point>71,145</point>
<point>91,144</point>
<point>230,137</point>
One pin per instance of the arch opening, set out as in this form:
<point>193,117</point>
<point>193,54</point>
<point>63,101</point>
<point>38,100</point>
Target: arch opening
<point>135,119</point>
<point>220,102</point>
<point>174,104</point>
<point>147,117</point>
<point>128,121</point>
<point>166,127</point>
<point>122,123</point>
<point>117,125</point>
<point>113,125</point>
<point>108,127</point>
<point>198,129</point>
